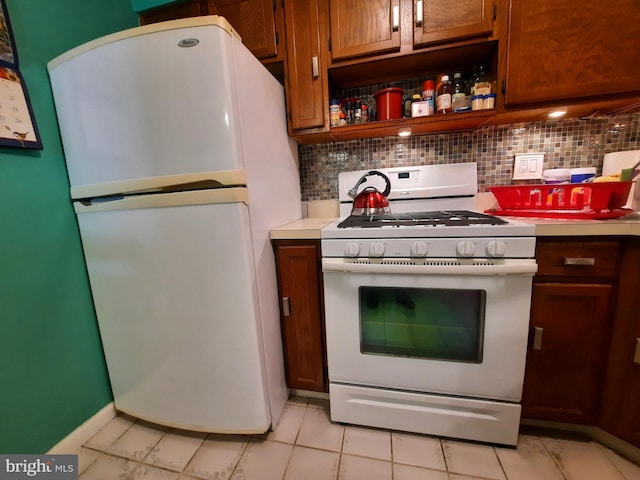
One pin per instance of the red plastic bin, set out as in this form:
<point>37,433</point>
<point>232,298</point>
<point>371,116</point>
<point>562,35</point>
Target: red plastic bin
<point>566,200</point>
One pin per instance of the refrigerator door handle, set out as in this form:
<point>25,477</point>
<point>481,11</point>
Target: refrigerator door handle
<point>187,181</point>
<point>171,199</point>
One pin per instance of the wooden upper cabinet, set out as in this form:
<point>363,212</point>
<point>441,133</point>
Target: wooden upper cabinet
<point>364,27</point>
<point>306,73</point>
<point>437,21</point>
<point>374,27</point>
<point>572,49</point>
<point>255,21</point>
<point>173,11</point>
<point>258,22</point>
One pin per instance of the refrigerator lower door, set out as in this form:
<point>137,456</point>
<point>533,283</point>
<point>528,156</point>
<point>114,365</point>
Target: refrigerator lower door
<point>176,301</point>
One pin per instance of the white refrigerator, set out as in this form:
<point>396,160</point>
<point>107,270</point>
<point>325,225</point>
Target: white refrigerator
<point>179,164</point>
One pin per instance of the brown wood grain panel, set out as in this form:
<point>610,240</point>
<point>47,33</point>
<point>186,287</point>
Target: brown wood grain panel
<point>446,21</point>
<point>572,49</point>
<point>254,20</point>
<point>551,255</point>
<point>362,27</point>
<point>174,11</point>
<point>300,281</point>
<point>621,393</point>
<point>564,378</point>
<point>307,95</point>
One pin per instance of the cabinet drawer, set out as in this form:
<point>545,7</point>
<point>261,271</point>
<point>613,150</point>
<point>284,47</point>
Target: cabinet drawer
<point>577,259</point>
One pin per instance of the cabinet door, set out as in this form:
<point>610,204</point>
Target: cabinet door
<point>173,11</point>
<point>306,75</point>
<point>567,351</point>
<point>300,286</point>
<point>620,409</point>
<point>440,20</point>
<point>590,48</point>
<point>364,27</point>
<point>255,21</point>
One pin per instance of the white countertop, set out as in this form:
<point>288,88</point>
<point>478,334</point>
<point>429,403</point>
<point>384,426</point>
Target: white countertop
<point>546,227</point>
<point>309,228</point>
<point>304,228</point>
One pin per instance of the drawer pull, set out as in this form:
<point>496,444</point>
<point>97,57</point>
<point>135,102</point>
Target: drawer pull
<point>286,307</point>
<point>587,262</point>
<point>396,18</point>
<point>636,354</point>
<point>419,13</point>
<point>537,338</point>
<point>315,67</point>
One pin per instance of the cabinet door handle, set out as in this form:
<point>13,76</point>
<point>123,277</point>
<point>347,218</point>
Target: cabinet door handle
<point>286,306</point>
<point>396,18</point>
<point>537,338</point>
<point>419,13</point>
<point>315,67</point>
<point>636,354</point>
<point>579,261</point>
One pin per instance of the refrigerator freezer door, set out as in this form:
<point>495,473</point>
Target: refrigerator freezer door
<point>143,106</point>
<point>175,295</point>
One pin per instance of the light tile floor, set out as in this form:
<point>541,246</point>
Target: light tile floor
<point>306,446</point>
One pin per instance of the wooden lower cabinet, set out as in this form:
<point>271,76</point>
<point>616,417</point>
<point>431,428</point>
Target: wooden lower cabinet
<point>621,394</point>
<point>570,328</point>
<point>302,313</point>
<point>567,353</point>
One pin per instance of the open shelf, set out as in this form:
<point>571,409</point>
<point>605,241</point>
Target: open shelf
<point>449,122</point>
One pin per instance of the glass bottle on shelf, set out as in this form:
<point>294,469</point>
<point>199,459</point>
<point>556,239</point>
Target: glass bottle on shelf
<point>481,84</point>
<point>334,112</point>
<point>443,97</point>
<point>459,96</point>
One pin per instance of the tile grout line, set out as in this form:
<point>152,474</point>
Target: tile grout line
<point>553,458</point>
<point>168,469</point>
<point>341,453</point>
<point>504,471</point>
<point>104,452</point>
<point>444,457</point>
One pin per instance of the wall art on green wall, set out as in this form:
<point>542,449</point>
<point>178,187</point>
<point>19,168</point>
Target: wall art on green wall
<point>17,124</point>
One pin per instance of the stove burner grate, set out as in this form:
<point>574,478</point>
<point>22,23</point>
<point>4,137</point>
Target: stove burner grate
<point>453,218</point>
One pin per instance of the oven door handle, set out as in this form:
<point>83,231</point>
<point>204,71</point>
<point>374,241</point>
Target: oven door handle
<point>510,267</point>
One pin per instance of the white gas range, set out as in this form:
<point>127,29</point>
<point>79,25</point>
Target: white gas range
<point>427,309</point>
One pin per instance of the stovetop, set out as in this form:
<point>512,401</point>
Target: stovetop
<point>453,218</point>
<point>426,224</point>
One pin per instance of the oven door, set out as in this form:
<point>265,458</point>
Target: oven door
<point>446,327</point>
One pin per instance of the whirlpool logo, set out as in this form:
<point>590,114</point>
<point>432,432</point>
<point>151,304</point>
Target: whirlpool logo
<point>50,467</point>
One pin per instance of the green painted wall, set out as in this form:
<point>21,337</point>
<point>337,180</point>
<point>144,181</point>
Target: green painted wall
<point>52,371</point>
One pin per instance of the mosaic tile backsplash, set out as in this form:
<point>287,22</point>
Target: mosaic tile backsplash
<point>566,144</point>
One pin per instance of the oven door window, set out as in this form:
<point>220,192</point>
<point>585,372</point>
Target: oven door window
<point>440,324</point>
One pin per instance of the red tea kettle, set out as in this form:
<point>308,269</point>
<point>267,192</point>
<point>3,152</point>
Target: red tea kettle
<point>370,201</point>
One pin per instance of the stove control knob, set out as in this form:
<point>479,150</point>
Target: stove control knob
<point>419,249</point>
<point>351,249</point>
<point>466,248</point>
<point>376,249</point>
<point>496,248</point>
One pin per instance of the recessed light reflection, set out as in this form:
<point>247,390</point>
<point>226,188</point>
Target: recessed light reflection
<point>557,113</point>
